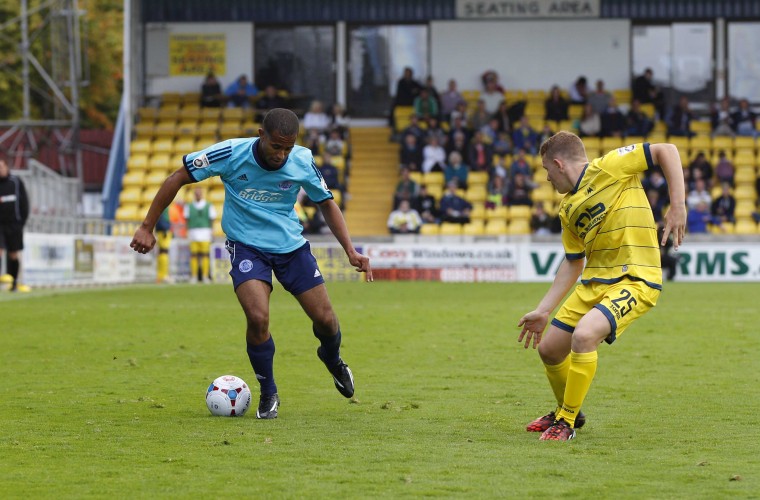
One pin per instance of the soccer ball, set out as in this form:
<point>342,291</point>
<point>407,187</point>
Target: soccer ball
<point>228,396</point>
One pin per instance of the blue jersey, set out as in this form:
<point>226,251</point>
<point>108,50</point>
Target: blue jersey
<point>259,201</point>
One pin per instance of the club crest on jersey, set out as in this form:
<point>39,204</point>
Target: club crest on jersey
<point>285,185</point>
<point>245,266</point>
<point>201,161</point>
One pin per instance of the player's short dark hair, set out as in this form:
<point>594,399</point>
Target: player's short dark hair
<point>280,120</point>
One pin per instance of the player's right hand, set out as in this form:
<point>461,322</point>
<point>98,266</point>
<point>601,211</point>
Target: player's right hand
<point>143,241</point>
<point>533,325</point>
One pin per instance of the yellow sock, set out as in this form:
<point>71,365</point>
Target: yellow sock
<point>579,377</point>
<point>557,375</point>
<point>193,267</point>
<point>162,266</point>
<point>204,266</point>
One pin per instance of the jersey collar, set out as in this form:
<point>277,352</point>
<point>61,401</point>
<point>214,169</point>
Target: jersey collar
<point>580,178</point>
<point>261,162</point>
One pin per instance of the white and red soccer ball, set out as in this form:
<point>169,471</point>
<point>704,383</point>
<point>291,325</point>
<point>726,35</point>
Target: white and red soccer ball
<point>228,396</point>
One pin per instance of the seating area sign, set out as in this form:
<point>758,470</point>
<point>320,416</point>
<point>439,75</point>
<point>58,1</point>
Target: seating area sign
<point>535,9</point>
<point>197,54</point>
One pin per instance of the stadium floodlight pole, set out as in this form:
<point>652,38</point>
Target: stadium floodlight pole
<point>26,114</point>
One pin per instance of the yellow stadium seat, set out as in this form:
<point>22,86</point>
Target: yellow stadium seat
<point>186,128</point>
<point>435,190</point>
<point>187,113</point>
<point>133,178</point>
<point>416,177</point>
<point>250,128</point>
<point>745,142</point>
<point>496,227</point>
<point>149,193</point>
<point>648,109</point>
<point>499,213</point>
<point>337,196</point>
<point>210,114</point>
<point>745,175</point>
<point>147,113</point>
<point>700,127</point>
<point>216,195</point>
<point>474,228</point>
<point>478,211</point>
<point>592,143</point>
<point>724,143</point>
<point>128,212</point>
<point>476,194</point>
<point>519,226</point>
<point>234,114</point>
<point>429,230</point>
<point>745,192</point>
<point>144,130</point>
<point>433,179</point>
<point>208,128</point>
<point>161,161</point>
<point>141,146</point>
<point>164,145</point>
<point>132,194</point>
<point>168,114</point>
<point>635,139</point>
<point>450,229</point>
<point>575,111</point>
<point>700,143</point>
<point>137,162</point>
<point>231,129</point>
<point>610,143</point>
<point>477,178</point>
<point>184,145</point>
<point>519,212</point>
<point>745,226</point>
<point>155,178</point>
<point>544,193</point>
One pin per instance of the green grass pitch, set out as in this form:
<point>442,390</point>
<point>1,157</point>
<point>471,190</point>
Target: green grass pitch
<point>103,396</point>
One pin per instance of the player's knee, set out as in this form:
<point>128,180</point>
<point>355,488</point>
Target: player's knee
<point>585,340</point>
<point>258,323</point>
<point>326,322</point>
<point>550,354</point>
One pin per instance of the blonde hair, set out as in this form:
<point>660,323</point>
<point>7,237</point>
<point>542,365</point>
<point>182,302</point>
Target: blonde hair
<point>565,145</point>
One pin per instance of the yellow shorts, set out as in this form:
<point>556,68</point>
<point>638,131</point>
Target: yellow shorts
<point>621,303</point>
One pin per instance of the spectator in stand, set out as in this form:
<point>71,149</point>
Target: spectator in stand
<point>406,189</point>
<point>433,156</point>
<point>449,101</point>
<point>453,207</point>
<point>599,98</point>
<point>679,120</point>
<point>407,89</point>
<point>724,169</point>
<point>425,205</point>
<point>721,119</point>
<point>211,92</point>
<point>492,95</point>
<point>723,207</point>
<point>339,120</point>
<point>556,106</point>
<point>425,105</point>
<point>590,123</point>
<point>701,164</point>
<point>519,191</point>
<point>480,116</point>
<point>498,169</point>
<point>653,196</point>
<point>434,128</point>
<point>461,112</point>
<point>744,119</point>
<point>524,137</point>
<point>458,125</point>
<point>542,222</point>
<point>502,145</point>
<point>433,91</point>
<point>579,91</point>
<point>544,134</point>
<point>645,91</point>
<point>270,100</point>
<point>479,154</point>
<point>698,195</point>
<point>239,93</point>
<point>491,77</point>
<point>498,193</point>
<point>637,122</point>
<point>520,165</point>
<point>458,144</point>
<point>504,117</point>
<point>698,218</point>
<point>656,181</point>
<point>316,118</point>
<point>313,140</point>
<point>613,120</point>
<point>335,145</point>
<point>490,131</point>
<point>404,219</point>
<point>414,128</point>
<point>456,170</point>
<point>410,153</point>
<point>330,173</point>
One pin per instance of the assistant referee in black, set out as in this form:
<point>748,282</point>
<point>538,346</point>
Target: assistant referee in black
<point>14,209</point>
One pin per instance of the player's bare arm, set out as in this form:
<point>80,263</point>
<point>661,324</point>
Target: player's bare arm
<point>534,323</point>
<point>337,224</point>
<point>667,156</point>
<point>144,240</point>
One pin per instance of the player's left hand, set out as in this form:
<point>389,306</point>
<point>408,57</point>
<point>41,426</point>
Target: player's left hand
<point>675,222</point>
<point>361,263</point>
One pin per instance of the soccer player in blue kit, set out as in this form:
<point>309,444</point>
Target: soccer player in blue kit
<point>262,177</point>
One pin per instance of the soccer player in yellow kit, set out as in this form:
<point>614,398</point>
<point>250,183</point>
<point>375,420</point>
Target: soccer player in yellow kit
<point>608,223</point>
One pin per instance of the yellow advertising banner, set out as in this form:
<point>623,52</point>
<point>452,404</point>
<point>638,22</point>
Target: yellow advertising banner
<point>197,54</point>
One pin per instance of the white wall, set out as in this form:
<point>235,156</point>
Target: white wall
<point>531,54</point>
<point>239,55</point>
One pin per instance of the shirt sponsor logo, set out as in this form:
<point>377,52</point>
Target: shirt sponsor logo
<point>245,266</point>
<point>626,149</point>
<point>201,161</point>
<point>260,195</point>
<point>8,198</point>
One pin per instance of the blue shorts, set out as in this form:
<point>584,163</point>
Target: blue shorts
<point>297,271</point>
